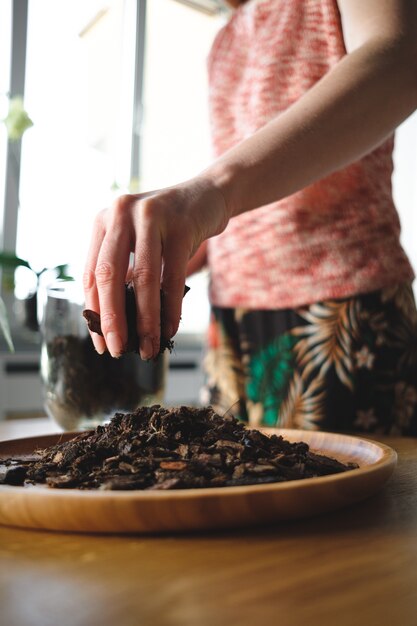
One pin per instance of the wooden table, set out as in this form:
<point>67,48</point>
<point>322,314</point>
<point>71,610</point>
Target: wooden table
<point>356,567</point>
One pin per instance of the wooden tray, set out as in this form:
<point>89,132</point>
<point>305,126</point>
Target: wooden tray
<point>192,509</point>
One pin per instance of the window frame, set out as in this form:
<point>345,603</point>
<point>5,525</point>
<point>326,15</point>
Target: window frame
<point>13,152</point>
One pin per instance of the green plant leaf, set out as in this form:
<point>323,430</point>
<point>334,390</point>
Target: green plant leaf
<point>10,260</point>
<point>4,326</point>
<point>62,272</point>
<point>17,120</point>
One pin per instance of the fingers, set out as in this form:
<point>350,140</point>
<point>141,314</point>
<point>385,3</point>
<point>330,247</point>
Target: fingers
<point>198,261</point>
<point>159,229</point>
<point>147,279</point>
<point>163,248</point>
<point>111,269</point>
<point>176,257</point>
<point>89,279</point>
<point>105,273</point>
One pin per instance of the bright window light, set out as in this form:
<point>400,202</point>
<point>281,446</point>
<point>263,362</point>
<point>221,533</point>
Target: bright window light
<point>5,43</point>
<point>79,94</point>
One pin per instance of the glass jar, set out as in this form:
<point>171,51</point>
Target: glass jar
<point>83,389</point>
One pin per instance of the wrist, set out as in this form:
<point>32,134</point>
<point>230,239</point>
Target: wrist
<point>222,177</point>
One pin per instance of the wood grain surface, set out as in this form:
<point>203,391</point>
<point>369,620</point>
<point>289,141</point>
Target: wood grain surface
<point>352,567</point>
<point>197,509</point>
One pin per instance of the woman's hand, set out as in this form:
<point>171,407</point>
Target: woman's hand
<point>163,230</point>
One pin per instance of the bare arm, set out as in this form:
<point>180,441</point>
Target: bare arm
<point>345,115</point>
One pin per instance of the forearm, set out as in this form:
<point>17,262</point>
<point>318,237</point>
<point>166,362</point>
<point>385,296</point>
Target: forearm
<point>349,112</point>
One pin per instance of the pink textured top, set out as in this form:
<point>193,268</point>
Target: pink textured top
<point>335,238</point>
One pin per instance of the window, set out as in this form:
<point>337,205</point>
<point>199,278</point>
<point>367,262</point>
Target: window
<point>79,93</point>
<point>175,138</point>
<point>88,112</point>
<point>175,135</point>
<point>5,49</point>
<point>405,186</point>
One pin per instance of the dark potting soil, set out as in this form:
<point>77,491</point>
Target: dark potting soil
<point>81,382</point>
<point>94,323</point>
<point>156,448</point>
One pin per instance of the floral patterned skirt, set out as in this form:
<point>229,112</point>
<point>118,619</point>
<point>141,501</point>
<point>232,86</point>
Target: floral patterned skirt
<point>347,365</point>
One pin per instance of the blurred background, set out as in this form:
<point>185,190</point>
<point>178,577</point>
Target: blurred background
<point>116,97</point>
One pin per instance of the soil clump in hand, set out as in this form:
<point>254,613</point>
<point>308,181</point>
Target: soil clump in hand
<point>132,345</point>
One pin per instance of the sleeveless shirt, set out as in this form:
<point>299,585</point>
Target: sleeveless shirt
<point>335,238</point>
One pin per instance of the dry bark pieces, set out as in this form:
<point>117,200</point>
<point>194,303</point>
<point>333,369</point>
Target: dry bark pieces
<point>157,448</point>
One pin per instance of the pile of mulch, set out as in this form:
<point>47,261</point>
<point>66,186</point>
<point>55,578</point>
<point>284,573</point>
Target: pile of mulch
<point>156,448</point>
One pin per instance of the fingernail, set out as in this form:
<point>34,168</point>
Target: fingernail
<point>146,348</point>
<point>99,344</point>
<point>169,331</point>
<point>114,344</point>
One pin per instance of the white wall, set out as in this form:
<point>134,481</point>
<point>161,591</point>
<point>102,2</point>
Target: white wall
<point>405,186</point>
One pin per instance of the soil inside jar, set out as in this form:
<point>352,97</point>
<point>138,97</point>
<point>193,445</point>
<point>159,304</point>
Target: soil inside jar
<point>84,384</point>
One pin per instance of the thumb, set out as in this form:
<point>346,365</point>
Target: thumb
<point>198,261</point>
